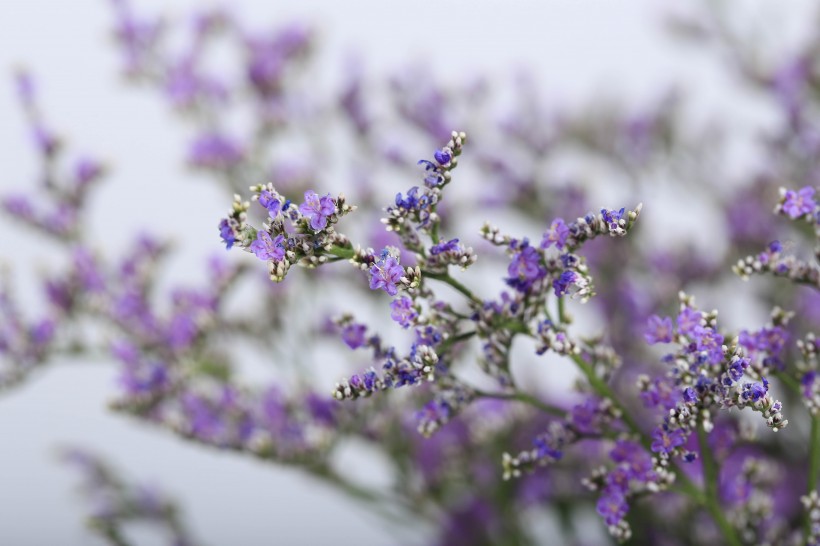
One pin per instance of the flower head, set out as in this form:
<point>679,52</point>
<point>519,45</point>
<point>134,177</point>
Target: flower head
<point>267,248</point>
<point>386,274</point>
<point>658,330</point>
<point>799,203</point>
<point>557,235</point>
<point>317,209</point>
<point>403,311</point>
<point>665,441</point>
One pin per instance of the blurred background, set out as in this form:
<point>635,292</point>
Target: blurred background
<point>578,53</point>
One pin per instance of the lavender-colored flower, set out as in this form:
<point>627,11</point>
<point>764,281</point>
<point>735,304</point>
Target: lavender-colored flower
<point>226,233</point>
<point>563,283</point>
<point>403,311</point>
<point>688,320</point>
<point>354,335</point>
<point>317,209</point>
<point>443,157</point>
<point>665,441</point>
<point>215,151</point>
<point>658,330</point>
<point>444,246</point>
<point>799,203</point>
<point>386,274</point>
<point>267,248</point>
<point>708,341</point>
<point>612,505</point>
<point>526,265</point>
<point>270,202</point>
<point>557,235</point>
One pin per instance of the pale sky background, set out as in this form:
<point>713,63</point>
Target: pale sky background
<point>578,49</point>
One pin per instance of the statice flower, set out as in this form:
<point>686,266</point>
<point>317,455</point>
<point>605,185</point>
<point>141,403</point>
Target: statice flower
<point>386,274</point>
<point>557,235</point>
<point>658,330</point>
<point>525,267</point>
<point>267,248</point>
<point>317,209</point>
<point>798,203</point>
<point>403,311</point>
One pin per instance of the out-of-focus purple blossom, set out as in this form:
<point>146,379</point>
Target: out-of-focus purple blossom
<point>215,151</point>
<point>688,320</point>
<point>799,203</point>
<point>658,330</point>
<point>226,233</point>
<point>354,335</point>
<point>557,235</point>
<point>403,311</point>
<point>708,341</point>
<point>665,441</point>
<point>612,505</point>
<point>317,209</point>
<point>19,206</point>
<point>444,246</point>
<point>267,248</point>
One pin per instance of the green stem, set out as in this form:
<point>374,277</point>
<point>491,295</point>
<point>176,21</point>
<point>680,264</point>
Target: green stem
<point>710,486</point>
<point>447,279</point>
<point>525,398</point>
<point>562,314</point>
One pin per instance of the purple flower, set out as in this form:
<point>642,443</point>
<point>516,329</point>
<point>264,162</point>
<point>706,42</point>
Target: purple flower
<point>526,265</point>
<point>708,341</point>
<point>688,320</point>
<point>354,335</point>
<point>798,203</point>
<point>444,246</point>
<point>612,505</point>
<point>403,311</point>
<point>318,209</point>
<point>215,151</point>
<point>556,235</point>
<point>755,391</point>
<point>386,274</point>
<point>271,203</point>
<point>226,233</point>
<point>563,283</point>
<point>443,157</point>
<point>658,330</point>
<point>665,441</point>
<point>267,248</point>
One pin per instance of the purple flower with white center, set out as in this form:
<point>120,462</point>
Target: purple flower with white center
<point>386,274</point>
<point>226,233</point>
<point>658,330</point>
<point>267,248</point>
<point>665,441</point>
<point>317,209</point>
<point>557,235</point>
<point>612,505</point>
<point>403,312</point>
<point>799,203</point>
<point>354,335</point>
<point>270,202</point>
